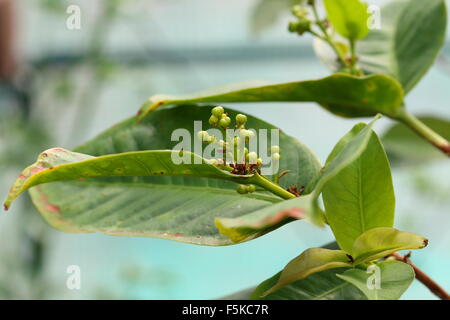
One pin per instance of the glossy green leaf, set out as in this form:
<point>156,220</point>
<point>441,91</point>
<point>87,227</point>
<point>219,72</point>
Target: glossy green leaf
<point>386,280</point>
<point>403,146</point>
<point>367,97</point>
<point>309,262</point>
<point>348,17</point>
<point>361,195</point>
<point>412,34</point>
<point>180,208</point>
<point>381,242</point>
<point>346,151</point>
<point>323,285</point>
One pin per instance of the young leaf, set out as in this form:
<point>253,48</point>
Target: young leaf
<point>367,97</point>
<point>319,286</point>
<point>381,242</point>
<point>386,280</point>
<point>405,147</point>
<point>412,34</point>
<point>177,208</point>
<point>346,151</point>
<point>361,196</point>
<point>348,17</point>
<point>309,262</point>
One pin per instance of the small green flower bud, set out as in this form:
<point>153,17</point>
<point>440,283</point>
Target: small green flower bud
<point>276,156</point>
<point>225,122</point>
<point>213,120</point>
<point>251,188</point>
<point>299,11</point>
<point>252,157</point>
<point>241,119</point>
<point>242,189</point>
<point>222,143</point>
<point>203,135</point>
<point>275,149</point>
<point>293,26</point>
<point>211,139</point>
<point>259,162</point>
<point>218,111</point>
<point>304,26</point>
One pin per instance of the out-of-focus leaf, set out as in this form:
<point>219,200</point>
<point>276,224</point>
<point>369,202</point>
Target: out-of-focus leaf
<point>348,17</point>
<point>403,146</point>
<point>267,12</point>
<point>411,36</point>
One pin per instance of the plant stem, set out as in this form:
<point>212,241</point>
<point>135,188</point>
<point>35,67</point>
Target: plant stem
<point>270,186</point>
<point>424,131</point>
<point>326,37</point>
<point>424,278</point>
<point>354,59</point>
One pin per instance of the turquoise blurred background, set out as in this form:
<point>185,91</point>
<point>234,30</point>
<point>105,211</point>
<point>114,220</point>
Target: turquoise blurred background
<point>84,81</point>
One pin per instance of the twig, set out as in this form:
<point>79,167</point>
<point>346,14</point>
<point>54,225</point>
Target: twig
<point>423,130</point>
<point>424,278</point>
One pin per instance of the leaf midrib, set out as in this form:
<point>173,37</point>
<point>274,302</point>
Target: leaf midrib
<point>362,221</point>
<point>258,196</point>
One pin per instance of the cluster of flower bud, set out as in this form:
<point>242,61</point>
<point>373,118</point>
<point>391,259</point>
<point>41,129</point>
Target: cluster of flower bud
<point>303,22</point>
<point>234,156</point>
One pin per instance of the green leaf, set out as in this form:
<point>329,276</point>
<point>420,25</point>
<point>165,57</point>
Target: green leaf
<point>380,242</point>
<point>368,96</point>
<point>239,229</point>
<point>403,146</point>
<point>395,277</point>
<point>58,164</point>
<point>361,195</point>
<point>319,286</point>
<point>309,262</point>
<point>411,36</point>
<point>346,151</point>
<point>348,17</point>
<point>176,208</point>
